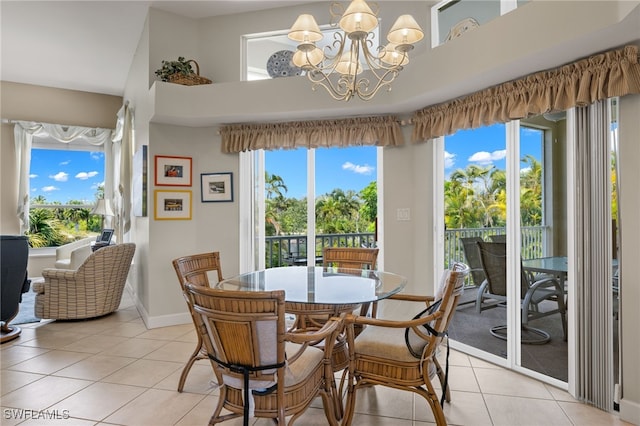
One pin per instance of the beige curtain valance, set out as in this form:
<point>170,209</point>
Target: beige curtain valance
<point>381,131</point>
<point>610,74</point>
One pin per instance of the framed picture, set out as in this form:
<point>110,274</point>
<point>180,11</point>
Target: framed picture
<point>216,187</point>
<point>173,171</point>
<point>172,205</point>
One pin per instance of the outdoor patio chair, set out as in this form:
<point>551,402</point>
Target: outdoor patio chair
<point>199,269</point>
<point>401,354</point>
<point>494,262</point>
<point>473,258</point>
<point>265,371</point>
<point>498,238</point>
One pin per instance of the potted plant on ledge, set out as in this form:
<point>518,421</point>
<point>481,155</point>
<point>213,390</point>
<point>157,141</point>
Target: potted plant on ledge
<point>181,72</point>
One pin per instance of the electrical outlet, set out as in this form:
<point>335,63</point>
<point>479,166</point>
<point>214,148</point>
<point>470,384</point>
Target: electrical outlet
<point>404,214</point>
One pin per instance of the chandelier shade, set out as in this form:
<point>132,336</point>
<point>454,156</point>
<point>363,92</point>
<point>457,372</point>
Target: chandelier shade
<point>358,18</point>
<point>405,31</point>
<point>349,66</point>
<point>305,30</point>
<point>391,56</point>
<point>308,58</point>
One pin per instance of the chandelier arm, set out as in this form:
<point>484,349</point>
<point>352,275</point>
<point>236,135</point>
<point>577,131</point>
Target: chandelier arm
<point>321,79</point>
<point>376,64</point>
<point>386,80</point>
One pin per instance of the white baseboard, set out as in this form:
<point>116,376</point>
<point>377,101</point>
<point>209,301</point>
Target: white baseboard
<point>161,320</point>
<point>630,411</point>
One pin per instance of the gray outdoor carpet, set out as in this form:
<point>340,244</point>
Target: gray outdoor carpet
<point>472,329</point>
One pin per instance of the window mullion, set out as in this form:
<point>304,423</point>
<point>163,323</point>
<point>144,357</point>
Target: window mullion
<point>513,243</point>
<point>311,207</point>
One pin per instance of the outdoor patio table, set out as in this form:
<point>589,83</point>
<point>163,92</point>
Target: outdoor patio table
<point>554,265</point>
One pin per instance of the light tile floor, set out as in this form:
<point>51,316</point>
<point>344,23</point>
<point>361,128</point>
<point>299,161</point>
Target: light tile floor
<point>113,371</point>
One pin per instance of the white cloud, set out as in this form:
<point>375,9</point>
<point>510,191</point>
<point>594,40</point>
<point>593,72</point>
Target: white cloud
<point>485,158</point>
<point>97,185</point>
<point>64,163</point>
<point>85,175</point>
<point>50,188</point>
<point>525,170</point>
<point>449,160</point>
<point>361,170</point>
<point>60,177</point>
<point>33,176</point>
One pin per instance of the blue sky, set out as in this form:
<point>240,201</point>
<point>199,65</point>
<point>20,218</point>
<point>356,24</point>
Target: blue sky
<point>61,175</point>
<point>355,167</point>
<point>75,175</point>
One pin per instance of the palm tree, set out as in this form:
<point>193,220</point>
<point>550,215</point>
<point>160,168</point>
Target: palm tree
<point>275,202</point>
<point>44,229</point>
<point>274,186</point>
<point>531,192</point>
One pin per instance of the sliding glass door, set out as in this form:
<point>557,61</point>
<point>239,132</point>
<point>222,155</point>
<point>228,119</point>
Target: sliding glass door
<point>505,211</point>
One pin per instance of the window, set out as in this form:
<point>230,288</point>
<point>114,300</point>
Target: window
<point>341,184</point>
<point>65,181</point>
<point>259,48</point>
<point>452,18</point>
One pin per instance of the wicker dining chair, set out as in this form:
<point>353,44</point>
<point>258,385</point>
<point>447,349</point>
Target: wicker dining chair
<point>266,371</point>
<point>313,317</point>
<point>352,258</point>
<point>401,354</point>
<point>199,269</point>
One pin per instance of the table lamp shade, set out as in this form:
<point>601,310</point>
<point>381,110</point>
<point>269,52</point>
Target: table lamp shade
<point>103,208</point>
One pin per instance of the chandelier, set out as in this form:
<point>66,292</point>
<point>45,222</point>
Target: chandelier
<point>338,67</point>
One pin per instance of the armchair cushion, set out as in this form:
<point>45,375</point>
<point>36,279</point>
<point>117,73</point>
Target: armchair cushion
<point>384,341</point>
<point>77,258</point>
<point>72,255</point>
<point>414,342</point>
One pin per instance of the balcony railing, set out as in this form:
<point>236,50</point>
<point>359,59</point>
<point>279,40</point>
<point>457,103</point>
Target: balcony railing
<point>285,250</point>
<point>532,238</point>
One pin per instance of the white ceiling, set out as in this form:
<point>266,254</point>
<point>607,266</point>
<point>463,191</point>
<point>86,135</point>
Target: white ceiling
<point>88,45</point>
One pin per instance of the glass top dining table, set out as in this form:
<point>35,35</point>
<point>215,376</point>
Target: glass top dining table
<point>320,285</point>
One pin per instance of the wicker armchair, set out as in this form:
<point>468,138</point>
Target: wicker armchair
<point>245,336</point>
<point>195,270</point>
<point>92,290</point>
<point>385,352</point>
